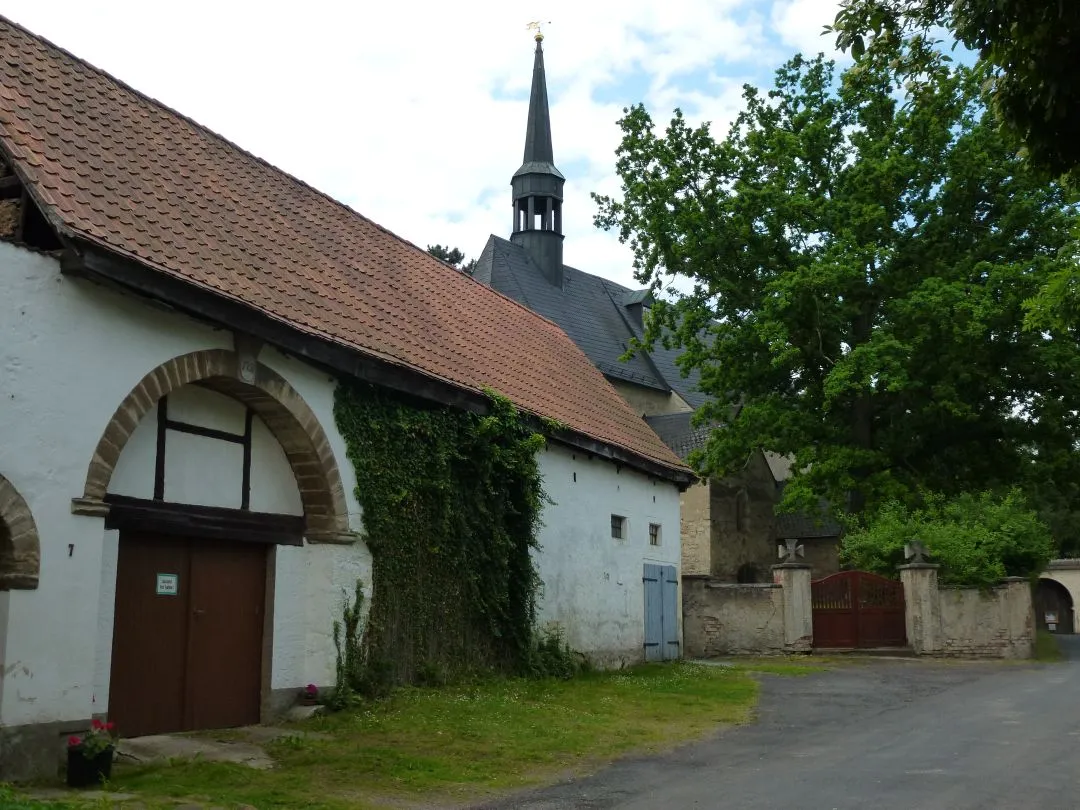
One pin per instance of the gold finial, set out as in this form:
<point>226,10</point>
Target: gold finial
<point>535,26</point>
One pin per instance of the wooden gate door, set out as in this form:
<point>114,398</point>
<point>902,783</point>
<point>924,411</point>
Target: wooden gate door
<point>187,634</point>
<point>661,612</point>
<point>858,609</point>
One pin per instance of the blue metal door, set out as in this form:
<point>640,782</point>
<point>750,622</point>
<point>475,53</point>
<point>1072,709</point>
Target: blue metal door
<point>661,612</point>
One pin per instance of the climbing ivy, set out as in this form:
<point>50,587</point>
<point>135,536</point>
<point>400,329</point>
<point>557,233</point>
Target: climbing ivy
<point>452,504</point>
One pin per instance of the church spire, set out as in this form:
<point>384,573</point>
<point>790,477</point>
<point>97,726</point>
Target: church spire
<point>538,185</point>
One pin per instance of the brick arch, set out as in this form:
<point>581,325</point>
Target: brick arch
<point>20,547</point>
<point>282,409</point>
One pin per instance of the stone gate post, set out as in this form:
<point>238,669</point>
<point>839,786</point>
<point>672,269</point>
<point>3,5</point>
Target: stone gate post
<point>794,578</point>
<point>922,607</point>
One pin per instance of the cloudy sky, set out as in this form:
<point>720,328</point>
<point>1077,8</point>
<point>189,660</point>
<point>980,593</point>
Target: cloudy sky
<point>414,113</point>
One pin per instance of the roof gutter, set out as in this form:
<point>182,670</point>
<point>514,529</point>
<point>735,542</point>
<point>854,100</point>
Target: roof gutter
<point>87,259</point>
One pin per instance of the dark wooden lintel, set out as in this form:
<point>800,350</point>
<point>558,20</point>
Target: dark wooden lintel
<point>207,522</point>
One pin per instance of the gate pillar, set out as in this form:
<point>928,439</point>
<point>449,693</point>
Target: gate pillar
<point>794,578</point>
<point>922,608</point>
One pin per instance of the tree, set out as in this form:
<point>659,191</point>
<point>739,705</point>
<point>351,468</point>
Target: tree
<point>453,257</point>
<point>859,262</point>
<point>977,539</point>
<point>1034,47</point>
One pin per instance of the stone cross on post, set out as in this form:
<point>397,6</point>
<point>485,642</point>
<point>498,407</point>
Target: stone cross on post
<point>915,552</point>
<point>790,550</point>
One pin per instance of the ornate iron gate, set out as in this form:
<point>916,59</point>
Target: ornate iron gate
<point>858,609</point>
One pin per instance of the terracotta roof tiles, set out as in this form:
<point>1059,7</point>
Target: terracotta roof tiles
<point>139,179</point>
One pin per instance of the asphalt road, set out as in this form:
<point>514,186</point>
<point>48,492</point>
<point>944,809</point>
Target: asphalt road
<point>890,735</point>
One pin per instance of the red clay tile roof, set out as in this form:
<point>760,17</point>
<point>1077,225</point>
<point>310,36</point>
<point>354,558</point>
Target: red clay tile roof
<point>127,173</point>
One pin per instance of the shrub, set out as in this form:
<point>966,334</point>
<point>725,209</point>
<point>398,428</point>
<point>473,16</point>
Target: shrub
<point>976,538</point>
<point>551,657</point>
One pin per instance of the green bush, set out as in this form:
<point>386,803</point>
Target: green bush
<point>551,657</point>
<point>976,538</point>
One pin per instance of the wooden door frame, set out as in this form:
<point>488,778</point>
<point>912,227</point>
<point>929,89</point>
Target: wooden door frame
<point>136,516</point>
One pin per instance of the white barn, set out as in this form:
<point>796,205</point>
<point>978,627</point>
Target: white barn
<point>178,518</point>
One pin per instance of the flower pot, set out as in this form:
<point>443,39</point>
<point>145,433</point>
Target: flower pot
<point>85,771</point>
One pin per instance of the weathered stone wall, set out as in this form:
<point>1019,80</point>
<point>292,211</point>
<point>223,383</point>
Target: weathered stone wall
<point>822,554</point>
<point>995,624</point>
<point>743,535</point>
<point>696,529</point>
<point>999,623</point>
<point>730,619</point>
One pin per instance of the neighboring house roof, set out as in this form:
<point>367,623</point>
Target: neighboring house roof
<point>678,432</point>
<point>597,314</point>
<point>115,170</point>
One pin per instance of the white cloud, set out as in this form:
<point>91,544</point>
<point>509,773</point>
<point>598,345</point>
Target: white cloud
<point>800,22</point>
<point>414,113</point>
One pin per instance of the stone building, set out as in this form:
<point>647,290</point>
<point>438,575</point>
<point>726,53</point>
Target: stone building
<point>729,529</point>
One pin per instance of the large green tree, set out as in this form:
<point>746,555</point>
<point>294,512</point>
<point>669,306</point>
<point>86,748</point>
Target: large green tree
<point>1034,46</point>
<point>859,261</point>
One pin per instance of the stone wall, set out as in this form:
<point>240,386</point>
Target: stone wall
<point>996,624</point>
<point>696,529</point>
<point>999,623</point>
<point>743,524</point>
<point>728,619</point>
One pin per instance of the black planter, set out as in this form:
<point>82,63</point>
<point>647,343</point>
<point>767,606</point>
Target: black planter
<point>88,772</point>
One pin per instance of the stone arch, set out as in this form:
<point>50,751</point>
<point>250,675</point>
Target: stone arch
<point>1052,596</point>
<point>20,547</point>
<point>268,394</point>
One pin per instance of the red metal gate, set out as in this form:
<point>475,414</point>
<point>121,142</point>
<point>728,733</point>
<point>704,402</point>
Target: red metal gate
<point>858,609</point>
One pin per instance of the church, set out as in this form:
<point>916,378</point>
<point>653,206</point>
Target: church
<point>729,528</point>
<point>179,518</point>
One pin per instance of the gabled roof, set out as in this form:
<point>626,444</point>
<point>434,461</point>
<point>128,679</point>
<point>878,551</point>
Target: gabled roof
<point>115,170</point>
<point>593,311</point>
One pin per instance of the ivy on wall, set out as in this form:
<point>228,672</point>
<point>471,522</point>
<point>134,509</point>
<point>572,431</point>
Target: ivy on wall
<point>452,504</point>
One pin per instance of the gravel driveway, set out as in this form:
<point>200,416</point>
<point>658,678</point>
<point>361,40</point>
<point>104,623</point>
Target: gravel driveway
<point>888,735</point>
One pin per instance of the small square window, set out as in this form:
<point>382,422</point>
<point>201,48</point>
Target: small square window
<point>654,534</point>
<point>618,527</point>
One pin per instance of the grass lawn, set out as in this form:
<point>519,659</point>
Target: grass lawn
<point>462,742</point>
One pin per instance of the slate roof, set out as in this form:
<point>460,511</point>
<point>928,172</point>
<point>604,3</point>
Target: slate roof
<point>114,168</point>
<point>677,432</point>
<point>593,311</point>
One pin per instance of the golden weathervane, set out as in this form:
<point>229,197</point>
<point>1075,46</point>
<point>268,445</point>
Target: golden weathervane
<point>535,26</point>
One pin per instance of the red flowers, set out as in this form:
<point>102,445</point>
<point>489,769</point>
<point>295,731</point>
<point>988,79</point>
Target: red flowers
<point>97,739</point>
<point>74,741</point>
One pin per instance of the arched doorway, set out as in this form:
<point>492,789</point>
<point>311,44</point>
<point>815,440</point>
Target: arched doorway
<point>207,469</point>
<point>1053,607</point>
<point>20,547</point>
<point>265,392</point>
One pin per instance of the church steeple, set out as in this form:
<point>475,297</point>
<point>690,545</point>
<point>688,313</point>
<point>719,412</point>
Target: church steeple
<point>538,186</point>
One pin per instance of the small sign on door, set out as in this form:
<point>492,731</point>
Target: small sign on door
<point>168,584</point>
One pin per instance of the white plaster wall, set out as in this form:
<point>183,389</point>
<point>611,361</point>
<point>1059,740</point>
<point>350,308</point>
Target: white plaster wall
<point>70,351</point>
<point>205,471</point>
<point>592,582</point>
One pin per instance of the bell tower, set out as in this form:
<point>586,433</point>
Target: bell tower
<point>538,186</point>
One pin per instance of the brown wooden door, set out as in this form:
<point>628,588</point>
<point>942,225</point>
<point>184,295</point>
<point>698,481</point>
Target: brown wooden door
<point>228,587</point>
<point>146,689</point>
<point>187,652</point>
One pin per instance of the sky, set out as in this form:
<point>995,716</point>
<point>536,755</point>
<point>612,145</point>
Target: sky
<point>414,113</point>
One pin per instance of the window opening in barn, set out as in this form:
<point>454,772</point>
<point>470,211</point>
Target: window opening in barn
<point>618,527</point>
<point>654,534</point>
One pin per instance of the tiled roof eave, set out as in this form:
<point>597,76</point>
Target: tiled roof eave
<point>469,398</point>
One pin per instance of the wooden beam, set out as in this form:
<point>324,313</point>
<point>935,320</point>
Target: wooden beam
<point>206,522</point>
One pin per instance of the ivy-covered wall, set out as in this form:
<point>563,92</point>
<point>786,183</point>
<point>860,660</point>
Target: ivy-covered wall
<point>451,504</point>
